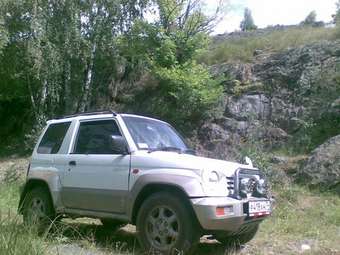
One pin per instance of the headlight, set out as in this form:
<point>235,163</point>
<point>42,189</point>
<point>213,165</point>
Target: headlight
<point>253,186</point>
<point>262,187</point>
<point>248,185</point>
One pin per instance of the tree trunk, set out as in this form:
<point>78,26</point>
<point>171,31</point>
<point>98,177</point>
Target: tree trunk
<point>66,105</point>
<point>84,103</point>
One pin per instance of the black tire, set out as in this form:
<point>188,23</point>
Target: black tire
<point>239,238</point>
<point>111,224</point>
<point>38,210</point>
<point>166,225</point>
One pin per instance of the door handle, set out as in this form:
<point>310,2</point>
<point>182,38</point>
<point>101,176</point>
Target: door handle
<point>72,163</point>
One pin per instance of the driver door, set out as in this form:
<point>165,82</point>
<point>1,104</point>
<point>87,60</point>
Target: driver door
<point>96,174</point>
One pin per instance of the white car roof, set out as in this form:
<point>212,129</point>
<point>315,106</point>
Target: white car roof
<point>89,116</point>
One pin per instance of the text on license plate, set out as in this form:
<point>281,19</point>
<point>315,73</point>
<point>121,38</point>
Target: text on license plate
<point>258,208</point>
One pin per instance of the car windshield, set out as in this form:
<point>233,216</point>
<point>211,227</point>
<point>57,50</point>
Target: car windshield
<point>154,135</point>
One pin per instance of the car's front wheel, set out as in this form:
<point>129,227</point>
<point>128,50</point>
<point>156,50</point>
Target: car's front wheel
<point>38,209</point>
<point>165,224</point>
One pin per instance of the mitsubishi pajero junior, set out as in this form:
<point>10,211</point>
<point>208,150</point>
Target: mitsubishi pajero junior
<point>123,168</point>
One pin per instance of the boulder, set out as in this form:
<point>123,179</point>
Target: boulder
<point>212,132</point>
<point>248,107</point>
<point>217,142</point>
<point>323,166</point>
<point>234,126</point>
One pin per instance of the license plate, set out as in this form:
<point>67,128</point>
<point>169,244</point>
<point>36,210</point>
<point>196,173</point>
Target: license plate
<point>259,208</point>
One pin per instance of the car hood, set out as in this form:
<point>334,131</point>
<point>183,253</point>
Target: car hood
<point>162,159</point>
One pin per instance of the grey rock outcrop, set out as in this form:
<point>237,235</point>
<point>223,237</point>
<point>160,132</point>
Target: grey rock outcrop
<point>288,90</point>
<point>248,107</point>
<point>323,166</point>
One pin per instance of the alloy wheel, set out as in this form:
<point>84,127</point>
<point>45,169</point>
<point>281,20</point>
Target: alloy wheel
<point>162,227</point>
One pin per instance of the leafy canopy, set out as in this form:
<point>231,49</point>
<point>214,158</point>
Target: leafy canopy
<point>180,90</point>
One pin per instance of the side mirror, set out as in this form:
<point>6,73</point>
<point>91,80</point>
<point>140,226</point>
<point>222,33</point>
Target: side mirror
<point>119,145</point>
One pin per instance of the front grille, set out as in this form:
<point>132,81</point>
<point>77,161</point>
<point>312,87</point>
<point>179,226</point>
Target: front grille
<point>234,182</point>
<point>230,184</point>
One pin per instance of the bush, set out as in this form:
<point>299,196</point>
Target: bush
<point>184,95</point>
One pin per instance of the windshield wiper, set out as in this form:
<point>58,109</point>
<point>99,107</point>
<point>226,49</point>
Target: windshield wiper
<point>165,148</point>
<point>189,151</point>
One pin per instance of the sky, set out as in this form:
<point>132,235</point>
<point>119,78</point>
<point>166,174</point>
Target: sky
<point>271,12</point>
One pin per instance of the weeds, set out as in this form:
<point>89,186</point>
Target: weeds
<point>17,239</point>
<point>242,49</point>
<point>299,215</point>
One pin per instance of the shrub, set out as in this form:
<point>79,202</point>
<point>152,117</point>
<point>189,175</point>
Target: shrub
<point>184,95</point>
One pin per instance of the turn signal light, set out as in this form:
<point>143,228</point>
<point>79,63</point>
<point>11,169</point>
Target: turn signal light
<point>219,211</point>
<point>225,211</point>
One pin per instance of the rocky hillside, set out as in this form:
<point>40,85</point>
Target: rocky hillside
<point>288,100</point>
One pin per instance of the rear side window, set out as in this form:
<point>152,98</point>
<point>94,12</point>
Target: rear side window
<point>53,138</point>
<point>95,137</point>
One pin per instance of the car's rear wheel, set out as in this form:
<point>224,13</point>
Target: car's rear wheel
<point>240,238</point>
<point>165,224</point>
<point>38,209</point>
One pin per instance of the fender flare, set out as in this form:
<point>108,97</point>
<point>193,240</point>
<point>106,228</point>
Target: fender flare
<point>188,186</point>
<point>29,185</point>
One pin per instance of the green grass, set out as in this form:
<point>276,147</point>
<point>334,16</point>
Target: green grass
<point>300,216</point>
<point>242,49</point>
<point>16,239</point>
<point>83,236</point>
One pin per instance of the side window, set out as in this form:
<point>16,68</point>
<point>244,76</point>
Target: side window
<point>95,137</point>
<point>53,138</point>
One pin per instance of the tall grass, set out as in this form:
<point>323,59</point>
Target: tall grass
<point>84,236</point>
<point>300,215</point>
<point>303,216</point>
<point>15,238</point>
<point>242,49</point>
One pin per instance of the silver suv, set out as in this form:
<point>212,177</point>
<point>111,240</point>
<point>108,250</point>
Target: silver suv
<point>123,168</point>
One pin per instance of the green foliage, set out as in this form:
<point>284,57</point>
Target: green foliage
<point>317,127</point>
<point>186,93</point>
<point>178,89</point>
<point>247,23</point>
<point>336,16</point>
<point>337,19</point>
<point>66,56</point>
<point>242,49</point>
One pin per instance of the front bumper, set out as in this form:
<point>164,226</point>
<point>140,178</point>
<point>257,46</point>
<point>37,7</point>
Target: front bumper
<point>232,221</point>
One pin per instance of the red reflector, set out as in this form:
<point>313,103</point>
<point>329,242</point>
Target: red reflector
<point>135,171</point>
<point>220,211</point>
